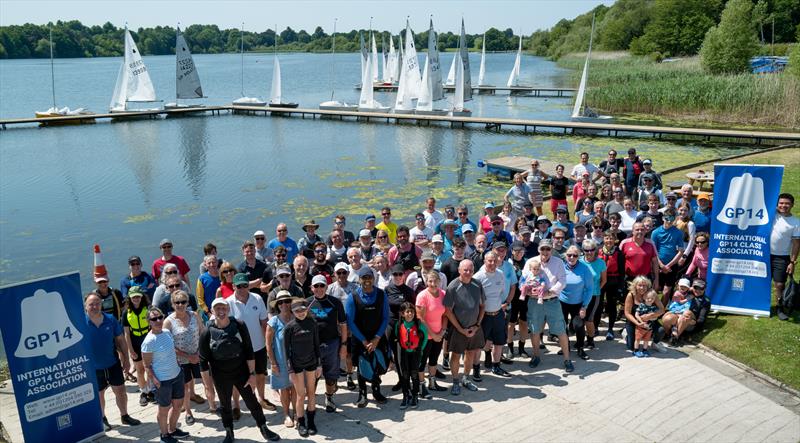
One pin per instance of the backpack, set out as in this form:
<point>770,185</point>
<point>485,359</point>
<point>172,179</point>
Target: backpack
<point>225,343</point>
<point>789,300</point>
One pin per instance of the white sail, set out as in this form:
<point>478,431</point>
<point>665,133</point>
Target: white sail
<point>577,110</point>
<point>187,80</point>
<point>275,91</point>
<point>384,61</point>
<point>458,96</point>
<point>425,102</point>
<point>513,78</point>
<point>451,74</point>
<point>435,74</point>
<point>133,81</point>
<point>391,62</point>
<point>410,82</point>
<point>374,60</point>
<point>462,44</point>
<point>364,57</point>
<point>366,98</point>
<point>482,70</point>
<point>399,57</point>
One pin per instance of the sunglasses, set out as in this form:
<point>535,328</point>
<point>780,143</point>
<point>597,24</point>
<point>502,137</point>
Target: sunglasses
<point>572,255</point>
<point>285,302</point>
<point>589,250</point>
<point>136,263</point>
<point>159,318</point>
<point>701,242</point>
<point>228,271</point>
<point>260,238</point>
<point>420,219</point>
<point>166,247</point>
<point>462,213</point>
<point>283,230</point>
<point>319,285</point>
<point>382,236</point>
<point>174,286</point>
<point>545,248</point>
<point>342,272</point>
<point>497,223</point>
<point>338,223</point>
<point>319,251</point>
<point>180,302</point>
<point>280,255</point>
<point>170,272</point>
<point>242,286</point>
<point>284,275</point>
<point>397,274</point>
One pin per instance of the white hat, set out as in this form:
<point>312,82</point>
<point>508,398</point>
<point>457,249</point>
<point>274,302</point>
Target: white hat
<point>259,233</point>
<point>685,283</point>
<point>319,278</point>
<point>437,239</point>
<point>218,301</point>
<point>341,265</point>
<point>364,233</point>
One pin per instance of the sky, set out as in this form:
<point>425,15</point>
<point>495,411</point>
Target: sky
<point>523,16</point>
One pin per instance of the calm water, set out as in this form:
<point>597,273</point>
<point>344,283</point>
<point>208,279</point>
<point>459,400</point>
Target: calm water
<point>194,180</point>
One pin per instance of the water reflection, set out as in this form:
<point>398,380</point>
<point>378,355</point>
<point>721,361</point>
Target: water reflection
<point>140,140</point>
<point>193,149</point>
<point>411,146</point>
<point>367,133</point>
<point>462,148</point>
<point>433,156</point>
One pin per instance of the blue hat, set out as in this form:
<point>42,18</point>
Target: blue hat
<point>369,217</point>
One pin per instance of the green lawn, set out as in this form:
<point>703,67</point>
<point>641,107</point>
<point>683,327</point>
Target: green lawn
<point>768,345</point>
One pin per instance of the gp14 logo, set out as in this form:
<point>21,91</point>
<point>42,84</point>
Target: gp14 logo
<point>745,204</point>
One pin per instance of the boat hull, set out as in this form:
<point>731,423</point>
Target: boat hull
<point>463,113</point>
<point>338,107</point>
<point>283,105</point>
<point>432,112</point>
<point>598,119</point>
<point>78,120</point>
<point>404,111</point>
<point>385,109</point>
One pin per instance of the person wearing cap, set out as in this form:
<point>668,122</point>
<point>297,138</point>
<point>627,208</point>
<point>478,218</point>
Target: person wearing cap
<point>331,321</point>
<point>702,214</point>
<point>356,266</point>
<point>135,327</point>
<point>415,279</point>
<point>518,194</point>
<point>449,214</point>
<point>534,177</point>
<point>439,252</point>
<point>668,241</point>
<point>464,303</point>
<point>137,277</point>
<point>285,283</point>
<point>549,311</point>
<point>387,224</point>
<point>367,318</point>
<point>168,257</point>
<point>543,225</point>
<point>671,202</point>
<point>462,212</point>
<point>404,252</point>
<point>612,164</point>
<point>646,190</point>
<point>518,313</point>
<point>366,247</point>
<point>342,289</point>
<point>632,169</point>
<point>111,298</point>
<point>282,239</point>
<point>321,264</point>
<point>432,216</point>
<point>497,298</point>
<point>263,252</point>
<point>701,305</point>
<point>584,167</point>
<point>249,307</point>
<point>485,221</point>
<point>687,197</point>
<point>558,189</point>
<point>369,225</point>
<point>579,235</point>
<point>306,243</point>
<point>421,235</point>
<point>562,221</point>
<point>232,364</point>
<point>647,164</point>
<point>679,313</point>
<point>469,238</point>
<point>529,248</point>
<point>276,351</point>
<point>497,233</point>
<point>106,341</point>
<point>253,267</point>
<point>301,340</point>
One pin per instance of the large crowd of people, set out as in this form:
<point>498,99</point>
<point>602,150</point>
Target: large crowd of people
<point>447,295</point>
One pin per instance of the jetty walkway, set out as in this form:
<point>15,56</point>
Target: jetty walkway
<point>524,91</point>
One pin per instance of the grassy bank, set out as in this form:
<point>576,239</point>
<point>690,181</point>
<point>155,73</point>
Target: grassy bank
<point>768,345</point>
<point>620,83</point>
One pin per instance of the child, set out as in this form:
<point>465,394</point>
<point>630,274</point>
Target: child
<point>532,282</point>
<point>644,334</point>
<point>682,294</point>
<point>409,338</point>
<point>301,342</point>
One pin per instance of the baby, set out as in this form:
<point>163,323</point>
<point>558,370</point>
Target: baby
<point>532,282</point>
<point>644,334</point>
<point>681,295</point>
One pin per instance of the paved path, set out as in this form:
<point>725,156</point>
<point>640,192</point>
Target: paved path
<point>675,396</point>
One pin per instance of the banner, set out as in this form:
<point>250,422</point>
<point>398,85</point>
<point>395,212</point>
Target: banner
<point>739,274</point>
<point>49,356</point>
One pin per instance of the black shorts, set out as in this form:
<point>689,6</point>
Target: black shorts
<point>778,263</point>
<point>261,360</point>
<point>170,390</point>
<point>668,278</point>
<point>191,371</point>
<point>111,376</point>
<point>300,368</point>
<point>494,328</point>
<point>519,310</point>
<point>458,343</point>
<point>136,344</point>
<point>329,354</point>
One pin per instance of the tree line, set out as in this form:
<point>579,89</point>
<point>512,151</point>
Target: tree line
<point>74,39</point>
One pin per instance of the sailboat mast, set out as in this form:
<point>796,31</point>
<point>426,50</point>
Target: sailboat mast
<point>333,59</point>
<point>241,32</point>
<point>177,33</point>
<point>52,70</point>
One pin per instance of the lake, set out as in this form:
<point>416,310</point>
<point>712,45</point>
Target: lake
<point>218,179</point>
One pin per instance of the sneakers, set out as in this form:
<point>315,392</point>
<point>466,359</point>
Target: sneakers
<point>506,361</point>
<point>143,399</point>
<point>267,433</point>
<point>168,438</point>
<point>434,386</point>
<point>568,366</point>
<point>582,354</point>
<point>456,388</point>
<point>424,393</point>
<point>362,399</point>
<point>301,427</point>
<point>179,433</point>
<point>151,397</point>
<point>376,394</point>
<point>508,354</point>
<point>446,363</point>
<point>610,336</point>
<point>130,421</point>
<point>404,403</point>
<point>500,372</point>
<point>197,399</point>
<point>638,353</point>
<point>106,424</point>
<point>476,374</point>
<point>552,338</point>
<point>414,403</point>
<point>237,414</point>
<point>645,353</point>
<point>189,420</point>
<point>330,406</point>
<point>469,385</point>
<point>351,385</point>
<point>534,362</point>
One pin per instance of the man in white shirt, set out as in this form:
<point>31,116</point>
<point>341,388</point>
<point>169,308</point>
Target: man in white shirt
<point>784,242</point>
<point>585,166</point>
<point>432,216</point>
<point>421,234</point>
<point>494,318</point>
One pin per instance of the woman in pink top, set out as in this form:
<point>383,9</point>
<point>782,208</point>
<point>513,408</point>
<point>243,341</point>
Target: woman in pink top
<point>700,259</point>
<point>430,311</point>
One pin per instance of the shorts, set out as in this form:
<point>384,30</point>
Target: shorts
<point>548,312</point>
<point>136,344</point>
<point>554,204</point>
<point>111,376</point>
<point>778,263</point>
<point>260,357</point>
<point>644,335</point>
<point>494,328</point>
<point>170,390</point>
<point>459,342</point>
<point>309,367</point>
<point>519,310</point>
<point>329,356</point>
<point>668,278</point>
<point>191,371</point>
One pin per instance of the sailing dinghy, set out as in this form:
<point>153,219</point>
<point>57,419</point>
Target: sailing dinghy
<point>581,113</point>
<point>367,102</point>
<point>187,79</point>
<point>410,83</point>
<point>55,111</point>
<point>432,90</point>
<point>133,81</point>
<point>276,95</point>
<point>482,71</point>
<point>244,100</point>
<point>333,104</point>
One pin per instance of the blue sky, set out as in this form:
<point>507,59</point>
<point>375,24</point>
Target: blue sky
<point>522,15</point>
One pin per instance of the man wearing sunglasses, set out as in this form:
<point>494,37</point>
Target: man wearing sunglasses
<point>285,283</point>
<point>137,277</point>
<point>497,233</point>
<point>387,224</point>
<point>332,326</point>
<point>168,257</point>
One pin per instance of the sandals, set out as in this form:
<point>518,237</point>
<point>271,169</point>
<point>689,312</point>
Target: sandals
<point>130,377</point>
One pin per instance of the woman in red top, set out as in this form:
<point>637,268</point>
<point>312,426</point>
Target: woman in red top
<point>615,281</point>
<point>226,273</point>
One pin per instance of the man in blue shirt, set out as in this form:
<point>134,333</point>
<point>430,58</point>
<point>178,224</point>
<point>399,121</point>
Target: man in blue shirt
<point>702,214</point>
<point>497,233</point>
<point>105,338</point>
<point>282,239</point>
<point>668,241</point>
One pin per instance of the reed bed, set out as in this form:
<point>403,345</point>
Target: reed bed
<point>681,90</point>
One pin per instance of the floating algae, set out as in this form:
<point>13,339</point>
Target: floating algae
<point>140,218</point>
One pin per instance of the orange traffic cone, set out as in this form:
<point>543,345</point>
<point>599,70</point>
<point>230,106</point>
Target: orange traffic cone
<point>100,271</point>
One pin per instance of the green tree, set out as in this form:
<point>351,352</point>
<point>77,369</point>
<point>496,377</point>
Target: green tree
<point>678,27</point>
<point>729,46</point>
<point>622,23</point>
<point>760,16</point>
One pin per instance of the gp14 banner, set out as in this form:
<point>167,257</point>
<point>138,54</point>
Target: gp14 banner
<point>49,355</point>
<point>739,271</point>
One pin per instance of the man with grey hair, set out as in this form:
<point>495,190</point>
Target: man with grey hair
<point>494,318</point>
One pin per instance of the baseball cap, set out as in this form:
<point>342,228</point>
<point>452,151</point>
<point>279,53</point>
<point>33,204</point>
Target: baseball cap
<point>165,241</point>
<point>495,218</point>
<point>341,265</point>
<point>135,291</point>
<point>699,283</point>
<point>369,217</point>
<point>364,233</point>
<point>517,246</point>
<point>561,208</point>
<point>218,301</point>
<point>319,278</point>
<point>437,238</point>
<point>685,283</point>
<point>703,195</point>
<point>398,268</point>
<point>240,279</point>
<point>100,278</point>
<point>543,218</point>
<point>259,233</point>
<point>282,270</point>
<point>545,242</point>
<point>488,205</point>
<point>499,244</point>
<point>647,161</point>
<point>467,228</point>
<point>524,230</point>
<point>300,305</point>
<point>427,255</point>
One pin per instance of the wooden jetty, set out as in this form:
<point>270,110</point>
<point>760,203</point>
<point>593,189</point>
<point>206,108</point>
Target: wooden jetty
<point>488,123</point>
<point>524,91</point>
<point>149,114</point>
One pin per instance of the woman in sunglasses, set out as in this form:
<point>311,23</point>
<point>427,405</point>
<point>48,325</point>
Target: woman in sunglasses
<point>279,371</point>
<point>163,298</point>
<point>576,296</point>
<point>700,260</point>
<point>226,273</point>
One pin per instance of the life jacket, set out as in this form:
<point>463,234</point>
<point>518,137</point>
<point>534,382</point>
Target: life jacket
<point>226,343</point>
<point>408,338</point>
<point>138,322</point>
<point>408,259</point>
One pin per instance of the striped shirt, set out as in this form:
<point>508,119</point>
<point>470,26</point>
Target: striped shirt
<point>165,361</point>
